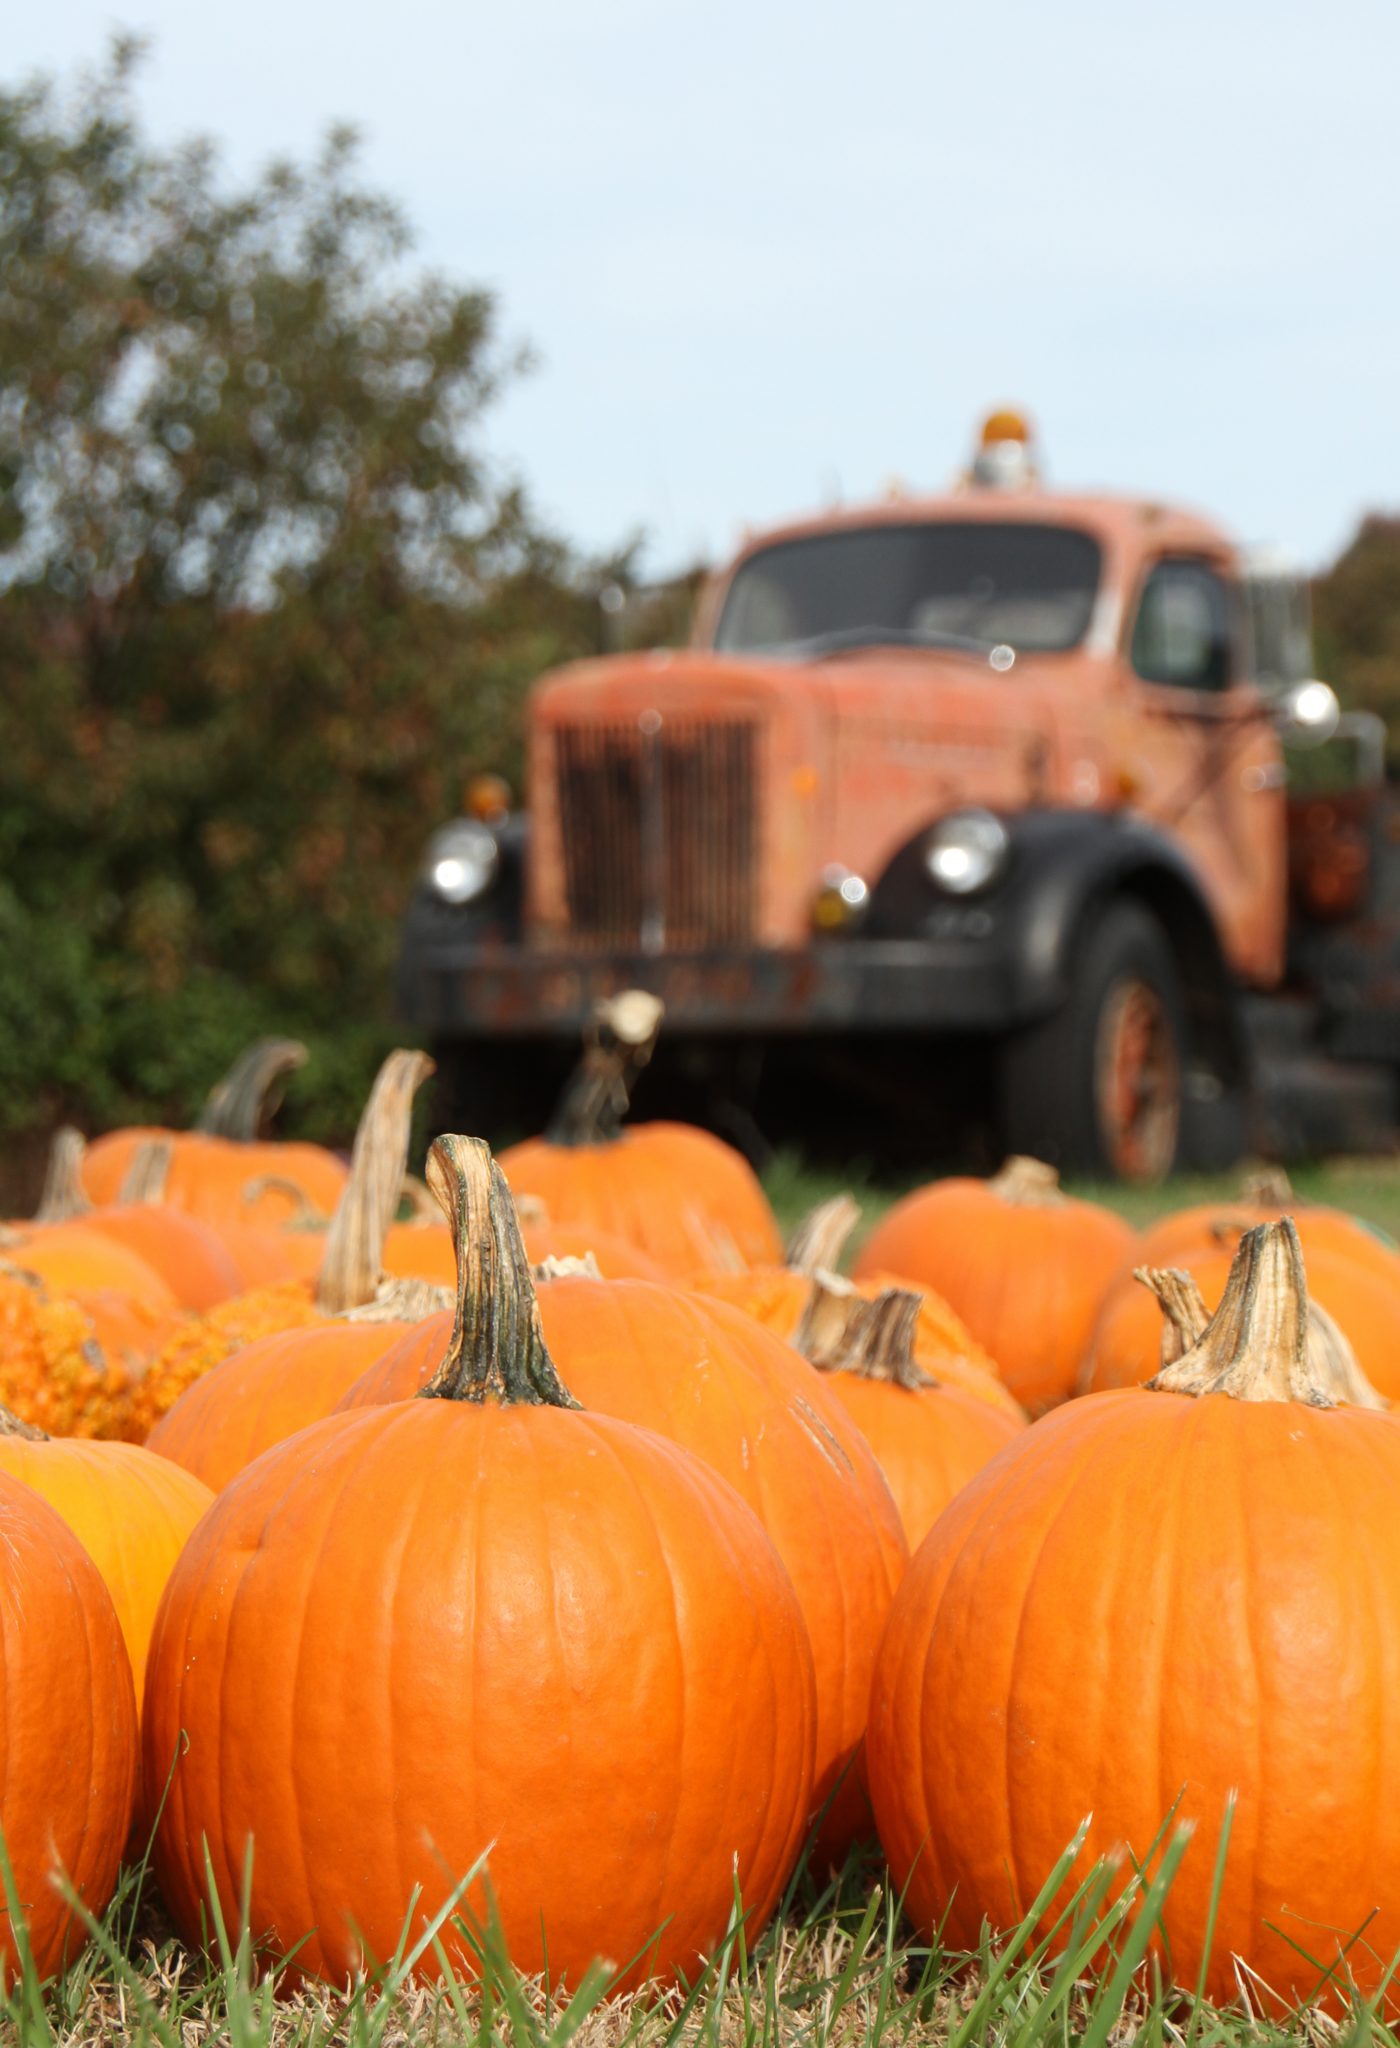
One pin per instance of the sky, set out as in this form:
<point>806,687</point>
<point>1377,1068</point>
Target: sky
<point>768,256</point>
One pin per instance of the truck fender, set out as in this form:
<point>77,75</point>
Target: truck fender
<point>1063,863</point>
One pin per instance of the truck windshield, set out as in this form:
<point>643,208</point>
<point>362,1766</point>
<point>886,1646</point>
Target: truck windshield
<point>1030,586</point>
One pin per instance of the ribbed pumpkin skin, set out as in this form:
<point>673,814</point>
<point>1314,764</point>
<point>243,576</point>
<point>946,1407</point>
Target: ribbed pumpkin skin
<point>131,1511</point>
<point>190,1257</point>
<point>1209,1226</point>
<point>1366,1303</point>
<point>413,1632</point>
<point>415,1252</point>
<point>209,1177</point>
<point>679,1194</point>
<point>776,1297</point>
<point>1027,1280</point>
<point>705,1376</point>
<point>1149,1593</point>
<point>68,1747</point>
<point>68,1257</point>
<point>266,1392</point>
<point>929,1442</point>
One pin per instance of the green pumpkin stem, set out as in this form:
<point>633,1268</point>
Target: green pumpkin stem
<point>620,1039</point>
<point>497,1352</point>
<point>239,1105</point>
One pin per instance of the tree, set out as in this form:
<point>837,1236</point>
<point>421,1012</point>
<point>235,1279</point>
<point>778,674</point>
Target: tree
<point>263,603</point>
<point>1356,611</point>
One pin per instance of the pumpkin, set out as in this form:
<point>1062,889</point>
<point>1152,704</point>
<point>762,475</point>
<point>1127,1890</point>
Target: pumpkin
<point>222,1172</point>
<point>706,1376</point>
<point>679,1194</point>
<point>777,1296</point>
<point>1264,1198</point>
<point>483,1622</point>
<point>67,1729</point>
<point>1159,1598</point>
<point>130,1510</point>
<point>1024,1264</point>
<point>53,1371</point>
<point>266,1390</point>
<point>1365,1302</point>
<point>206,1341</point>
<point>190,1257</point>
<point>929,1434</point>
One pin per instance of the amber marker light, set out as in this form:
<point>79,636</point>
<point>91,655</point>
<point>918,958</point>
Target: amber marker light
<point>487,798</point>
<point>841,901</point>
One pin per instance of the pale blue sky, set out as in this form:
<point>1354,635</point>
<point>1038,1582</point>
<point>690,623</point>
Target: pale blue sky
<point>766,252</point>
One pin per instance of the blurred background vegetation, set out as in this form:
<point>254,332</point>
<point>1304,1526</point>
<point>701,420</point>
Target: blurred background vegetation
<point>266,604</point>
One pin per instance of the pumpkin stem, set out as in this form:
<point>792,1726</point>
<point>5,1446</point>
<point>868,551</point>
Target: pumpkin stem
<point>1184,1313</point>
<point>63,1194</point>
<point>1269,1188</point>
<point>354,1256</point>
<point>239,1105</point>
<point>497,1352</point>
<point>820,1238</point>
<point>569,1268</point>
<point>12,1425</point>
<point>400,1301</point>
<point>1263,1333</point>
<point>418,1196</point>
<point>1028,1183</point>
<point>840,1331</point>
<point>306,1215</point>
<point>148,1175</point>
<point>619,1040</point>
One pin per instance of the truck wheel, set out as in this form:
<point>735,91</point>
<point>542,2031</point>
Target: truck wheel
<point>1097,1087</point>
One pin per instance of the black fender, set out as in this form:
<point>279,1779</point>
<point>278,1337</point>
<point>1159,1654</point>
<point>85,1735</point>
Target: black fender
<point>1062,865</point>
<point>435,934</point>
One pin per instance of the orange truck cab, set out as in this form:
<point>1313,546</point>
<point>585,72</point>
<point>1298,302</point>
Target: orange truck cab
<point>1005,805</point>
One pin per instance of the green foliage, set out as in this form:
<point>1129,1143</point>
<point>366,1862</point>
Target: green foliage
<point>263,606</point>
<point>1356,615</point>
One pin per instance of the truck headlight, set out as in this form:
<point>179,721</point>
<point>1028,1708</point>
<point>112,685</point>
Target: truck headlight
<point>965,851</point>
<point>461,861</point>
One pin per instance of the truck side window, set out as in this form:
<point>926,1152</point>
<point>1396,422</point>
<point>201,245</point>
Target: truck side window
<point>1183,632</point>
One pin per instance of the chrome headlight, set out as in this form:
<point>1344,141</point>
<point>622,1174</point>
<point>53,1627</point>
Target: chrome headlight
<point>965,851</point>
<point>461,862</point>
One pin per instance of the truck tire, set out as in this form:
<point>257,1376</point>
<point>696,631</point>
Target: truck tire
<point>1097,1087</point>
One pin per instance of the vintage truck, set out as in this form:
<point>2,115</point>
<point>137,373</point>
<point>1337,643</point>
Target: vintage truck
<point>1004,810</point>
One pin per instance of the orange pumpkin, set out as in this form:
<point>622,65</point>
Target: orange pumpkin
<point>491,1623</point>
<point>929,1435</point>
<point>67,1729</point>
<point>1025,1266</point>
<point>680,1195</point>
<point>1364,1303</point>
<point>1172,1597</point>
<point>778,1297</point>
<point>130,1510</point>
<point>707,1377</point>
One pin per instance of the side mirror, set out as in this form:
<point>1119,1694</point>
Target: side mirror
<point>1307,714</point>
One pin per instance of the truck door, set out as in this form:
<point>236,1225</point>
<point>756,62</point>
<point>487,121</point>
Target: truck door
<point>1214,775</point>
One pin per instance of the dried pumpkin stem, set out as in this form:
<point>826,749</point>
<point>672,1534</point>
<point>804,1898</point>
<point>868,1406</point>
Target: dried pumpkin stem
<point>497,1352</point>
<point>841,1331</point>
<point>1029,1183</point>
<point>1255,1347</point>
<point>148,1176</point>
<point>1185,1316</point>
<point>620,1039</point>
<point>369,1202</point>
<point>417,1195</point>
<point>238,1106</point>
<point>63,1194</point>
<point>12,1425</point>
<point>820,1238</point>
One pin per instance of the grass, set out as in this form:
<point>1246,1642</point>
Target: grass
<point>1369,1188</point>
<point>838,1968</point>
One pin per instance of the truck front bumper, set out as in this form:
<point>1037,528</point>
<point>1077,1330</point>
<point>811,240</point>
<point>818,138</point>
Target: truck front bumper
<point>960,984</point>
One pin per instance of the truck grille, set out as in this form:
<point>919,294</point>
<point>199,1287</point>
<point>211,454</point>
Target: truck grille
<point>659,830</point>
